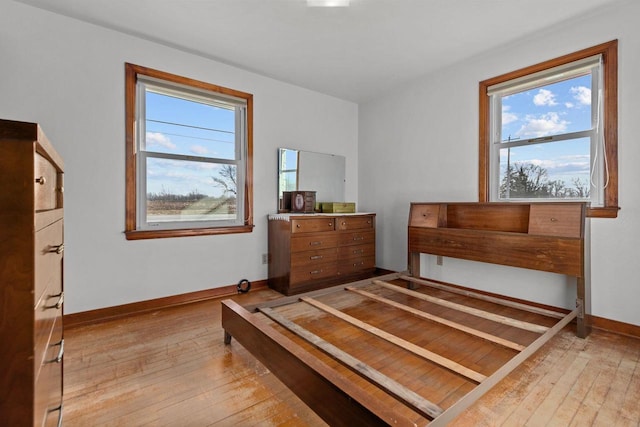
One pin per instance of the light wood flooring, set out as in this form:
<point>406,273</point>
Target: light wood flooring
<point>171,368</point>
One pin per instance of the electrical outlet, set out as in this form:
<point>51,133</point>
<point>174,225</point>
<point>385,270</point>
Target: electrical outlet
<point>265,258</point>
<point>439,260</point>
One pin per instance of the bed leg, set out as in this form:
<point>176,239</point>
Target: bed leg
<point>583,328</point>
<point>414,268</point>
<point>227,338</point>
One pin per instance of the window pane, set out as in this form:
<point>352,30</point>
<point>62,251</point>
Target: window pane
<point>554,109</point>
<point>547,170</point>
<point>182,126</point>
<point>179,190</point>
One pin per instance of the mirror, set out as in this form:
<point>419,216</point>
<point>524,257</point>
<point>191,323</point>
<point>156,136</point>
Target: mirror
<point>309,171</point>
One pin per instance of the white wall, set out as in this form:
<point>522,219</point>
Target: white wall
<point>420,143</point>
<point>69,77</point>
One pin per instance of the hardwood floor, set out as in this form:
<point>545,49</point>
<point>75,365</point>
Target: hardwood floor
<point>171,368</point>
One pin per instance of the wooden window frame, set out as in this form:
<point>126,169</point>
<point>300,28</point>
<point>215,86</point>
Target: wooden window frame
<point>609,52</point>
<point>131,232</point>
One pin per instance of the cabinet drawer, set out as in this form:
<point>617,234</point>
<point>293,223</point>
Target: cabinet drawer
<point>314,242</point>
<point>424,215</point>
<point>48,385</point>
<point>47,331</point>
<point>356,238</point>
<point>308,273</point>
<point>312,225</point>
<point>48,259</point>
<point>556,220</point>
<point>48,184</point>
<point>357,251</point>
<point>356,265</point>
<point>354,223</point>
<point>314,257</point>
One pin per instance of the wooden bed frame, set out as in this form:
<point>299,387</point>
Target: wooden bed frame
<point>366,353</point>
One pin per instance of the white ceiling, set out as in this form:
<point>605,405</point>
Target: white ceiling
<point>351,53</point>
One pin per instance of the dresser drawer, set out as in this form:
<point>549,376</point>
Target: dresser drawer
<point>354,223</point>
<point>356,238</point>
<point>356,265</point>
<point>314,242</point>
<point>48,184</point>
<point>307,273</point>
<point>357,251</point>
<point>312,225</point>
<point>48,259</point>
<point>48,317</point>
<point>314,257</point>
<point>48,384</point>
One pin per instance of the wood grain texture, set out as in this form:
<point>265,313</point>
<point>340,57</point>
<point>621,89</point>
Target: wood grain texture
<point>519,250</point>
<point>170,367</point>
<point>31,270</point>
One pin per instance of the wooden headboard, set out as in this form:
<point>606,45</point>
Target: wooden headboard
<point>539,236</point>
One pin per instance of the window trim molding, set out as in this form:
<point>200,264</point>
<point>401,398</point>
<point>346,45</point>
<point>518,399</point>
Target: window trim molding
<point>131,233</point>
<point>609,52</point>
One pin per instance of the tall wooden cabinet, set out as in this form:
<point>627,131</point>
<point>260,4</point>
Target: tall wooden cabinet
<point>312,251</point>
<point>31,272</point>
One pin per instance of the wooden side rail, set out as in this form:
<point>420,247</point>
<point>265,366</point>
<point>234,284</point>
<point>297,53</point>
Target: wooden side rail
<point>539,236</point>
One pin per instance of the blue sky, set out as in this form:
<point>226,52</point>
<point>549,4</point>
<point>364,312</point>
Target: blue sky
<point>178,126</point>
<point>551,110</point>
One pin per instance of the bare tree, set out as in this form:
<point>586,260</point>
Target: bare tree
<point>227,179</point>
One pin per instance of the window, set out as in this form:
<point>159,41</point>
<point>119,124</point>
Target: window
<point>188,156</point>
<point>549,132</point>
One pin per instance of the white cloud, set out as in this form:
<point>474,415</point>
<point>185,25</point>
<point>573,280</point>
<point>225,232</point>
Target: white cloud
<point>199,150</point>
<point>544,97</point>
<point>508,117</point>
<point>159,139</point>
<point>545,124</point>
<point>569,104</point>
<point>582,94</point>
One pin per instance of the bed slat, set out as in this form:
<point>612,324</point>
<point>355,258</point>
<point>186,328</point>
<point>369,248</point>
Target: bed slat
<point>402,343</point>
<point>419,313</point>
<point>501,301</point>
<point>418,403</point>
<point>466,309</point>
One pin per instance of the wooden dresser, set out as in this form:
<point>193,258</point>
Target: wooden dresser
<point>311,251</point>
<point>31,270</point>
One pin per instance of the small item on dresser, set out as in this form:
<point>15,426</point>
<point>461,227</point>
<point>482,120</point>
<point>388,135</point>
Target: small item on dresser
<point>338,207</point>
<point>303,201</point>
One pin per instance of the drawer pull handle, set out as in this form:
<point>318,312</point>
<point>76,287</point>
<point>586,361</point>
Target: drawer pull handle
<point>58,358</point>
<point>553,219</point>
<point>316,243</point>
<point>361,251</point>
<point>59,249</point>
<point>316,257</point>
<point>355,264</point>
<point>358,238</point>
<point>42,180</point>
<point>297,225</point>
<point>57,305</point>
<point>59,410</point>
<point>315,272</point>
